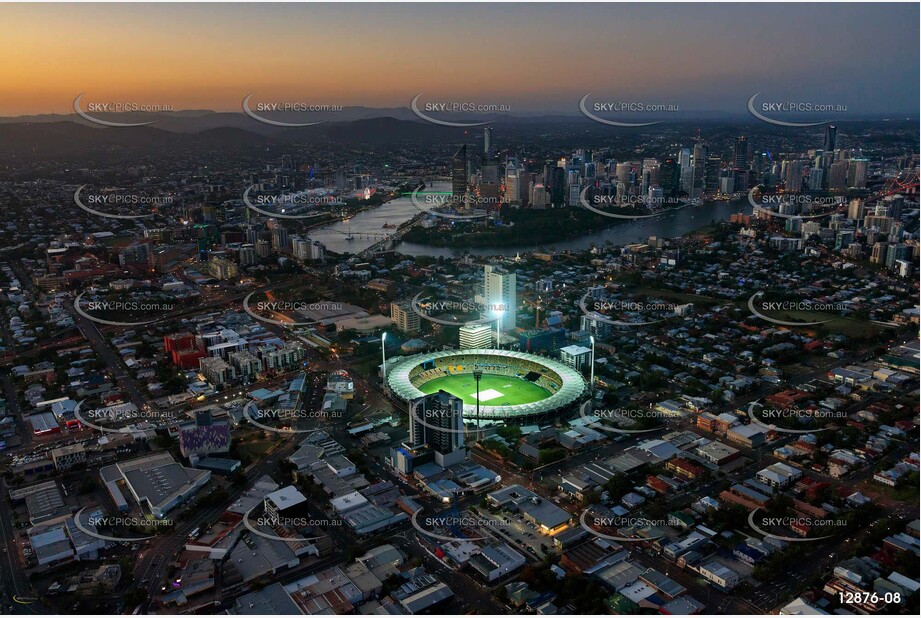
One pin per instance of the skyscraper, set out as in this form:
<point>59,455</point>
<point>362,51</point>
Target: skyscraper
<point>489,170</point>
<point>437,420</point>
<point>855,209</point>
<point>837,175</point>
<point>793,176</point>
<point>538,197</point>
<point>857,171</point>
<point>685,170</point>
<point>831,132</point>
<point>459,175</point>
<point>669,178</point>
<point>512,182</point>
<point>878,255</point>
<point>699,165</point>
<point>712,175</point>
<point>740,153</point>
<point>558,186</point>
<point>487,140</point>
<point>500,292</point>
<point>815,178</point>
<point>896,253</point>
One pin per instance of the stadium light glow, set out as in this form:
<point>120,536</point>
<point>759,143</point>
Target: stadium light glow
<point>498,312</point>
<point>591,383</point>
<point>384,356</point>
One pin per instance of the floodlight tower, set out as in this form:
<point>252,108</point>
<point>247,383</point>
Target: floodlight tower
<point>477,375</point>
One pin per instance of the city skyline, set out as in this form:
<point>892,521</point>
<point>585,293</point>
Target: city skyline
<point>417,309</point>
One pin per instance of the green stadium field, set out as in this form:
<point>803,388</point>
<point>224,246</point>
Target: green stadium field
<point>495,390</point>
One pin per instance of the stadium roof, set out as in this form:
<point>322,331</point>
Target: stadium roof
<point>573,384</point>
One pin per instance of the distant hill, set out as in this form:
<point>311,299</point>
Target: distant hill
<point>195,121</point>
<point>44,139</point>
<point>373,131</point>
<point>70,138</point>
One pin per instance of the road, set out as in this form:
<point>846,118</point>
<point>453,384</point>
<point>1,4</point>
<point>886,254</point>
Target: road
<point>16,594</point>
<point>158,557</point>
<point>13,410</point>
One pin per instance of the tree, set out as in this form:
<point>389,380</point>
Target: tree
<point>589,498</point>
<point>618,485</point>
<point>550,455</point>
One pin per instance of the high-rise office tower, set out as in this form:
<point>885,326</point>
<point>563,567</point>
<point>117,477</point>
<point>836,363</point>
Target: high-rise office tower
<point>622,172</point>
<point>793,176</point>
<point>558,186</point>
<point>539,196</point>
<point>573,193</point>
<point>837,175</point>
<point>831,133</point>
<point>620,193</point>
<point>487,140</point>
<point>512,182</point>
<point>740,155</point>
<point>341,180</point>
<point>815,178</point>
<point>437,420</point>
<point>857,171</point>
<point>459,174</point>
<point>548,172</point>
<point>670,178</point>
<point>489,170</point>
<point>894,205</point>
<point>500,292</point>
<point>685,170</point>
<point>712,175</point>
<point>699,168</point>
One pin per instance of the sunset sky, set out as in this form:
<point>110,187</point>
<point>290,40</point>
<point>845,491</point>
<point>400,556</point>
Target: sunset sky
<point>531,57</point>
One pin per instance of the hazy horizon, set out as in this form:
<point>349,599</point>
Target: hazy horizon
<point>535,59</point>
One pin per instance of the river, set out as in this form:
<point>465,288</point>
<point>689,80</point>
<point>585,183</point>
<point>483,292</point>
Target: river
<point>368,228</point>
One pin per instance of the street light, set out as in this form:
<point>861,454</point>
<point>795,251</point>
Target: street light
<point>591,385</point>
<point>384,357</point>
<point>498,312</point>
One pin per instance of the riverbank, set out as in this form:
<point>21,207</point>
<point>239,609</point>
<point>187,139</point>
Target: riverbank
<point>363,206</point>
<point>669,224</point>
<point>519,226</point>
